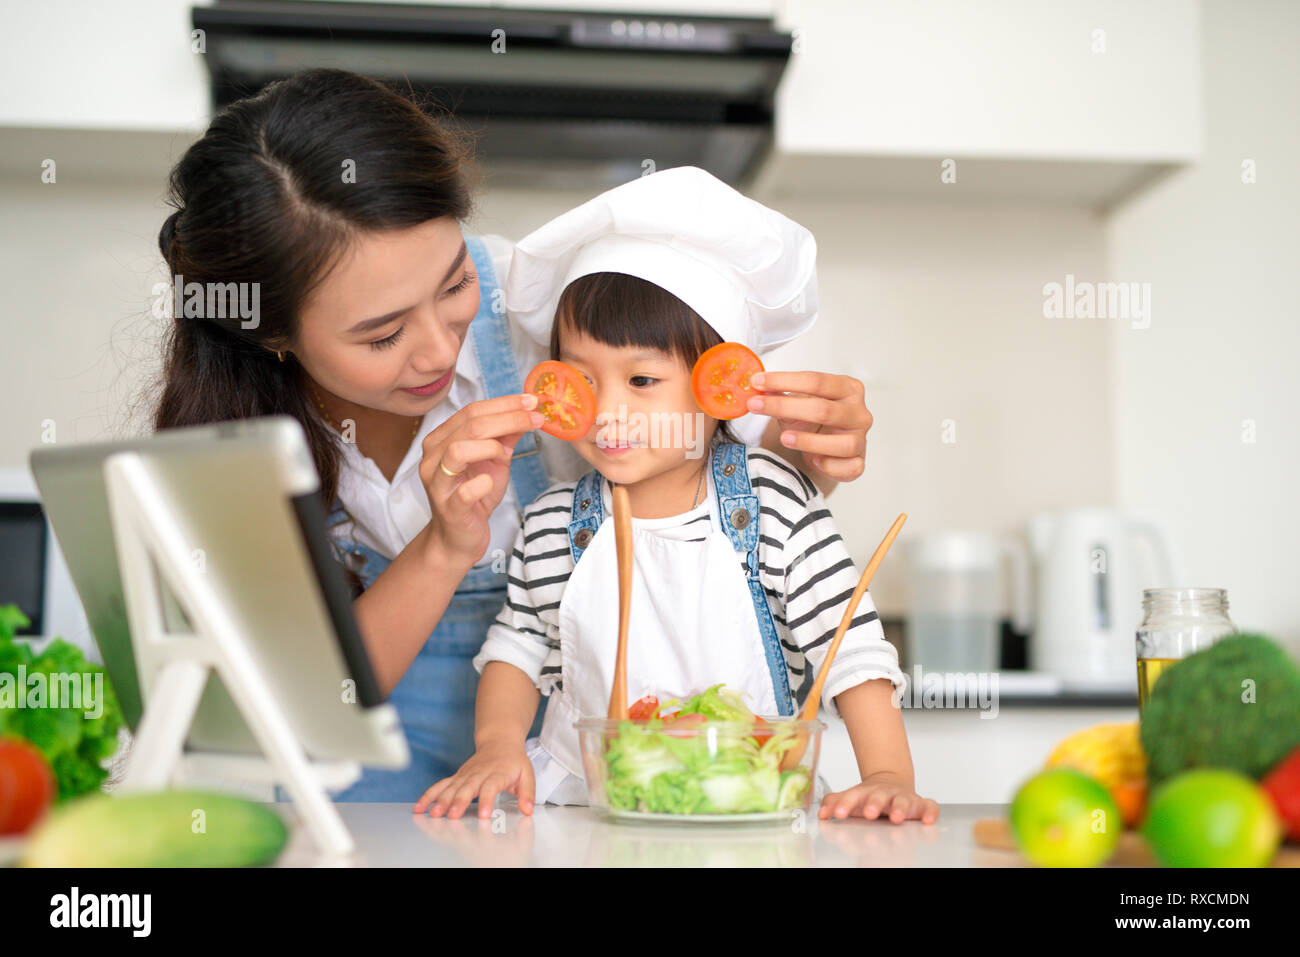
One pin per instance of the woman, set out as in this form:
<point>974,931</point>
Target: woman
<point>379,329</point>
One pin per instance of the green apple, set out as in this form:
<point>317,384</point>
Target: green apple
<point>1064,818</point>
<point>1212,817</point>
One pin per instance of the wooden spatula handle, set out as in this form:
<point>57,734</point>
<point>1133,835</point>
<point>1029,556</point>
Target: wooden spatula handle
<point>814,696</point>
<point>623,542</point>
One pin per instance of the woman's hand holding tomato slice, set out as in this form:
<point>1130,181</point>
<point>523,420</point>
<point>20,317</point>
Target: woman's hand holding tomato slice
<point>821,416</point>
<point>819,420</point>
<point>465,469</point>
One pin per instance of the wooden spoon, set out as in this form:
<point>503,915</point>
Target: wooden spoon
<point>623,542</point>
<point>795,754</point>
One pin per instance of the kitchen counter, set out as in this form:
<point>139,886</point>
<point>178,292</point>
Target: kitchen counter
<point>390,835</point>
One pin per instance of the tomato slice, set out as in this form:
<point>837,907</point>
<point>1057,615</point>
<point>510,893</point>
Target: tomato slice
<point>684,723</point>
<point>720,379</point>
<point>762,731</point>
<point>644,709</point>
<point>565,399</point>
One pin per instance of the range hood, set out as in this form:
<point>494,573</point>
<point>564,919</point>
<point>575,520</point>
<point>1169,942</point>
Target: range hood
<point>555,98</point>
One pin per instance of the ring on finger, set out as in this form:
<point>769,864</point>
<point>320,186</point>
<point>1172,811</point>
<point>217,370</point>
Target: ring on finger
<point>443,465</point>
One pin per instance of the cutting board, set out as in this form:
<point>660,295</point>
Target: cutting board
<point>1132,851</point>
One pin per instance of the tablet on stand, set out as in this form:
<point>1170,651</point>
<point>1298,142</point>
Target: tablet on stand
<point>204,565</point>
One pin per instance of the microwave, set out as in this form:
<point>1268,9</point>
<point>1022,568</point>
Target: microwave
<point>33,574</point>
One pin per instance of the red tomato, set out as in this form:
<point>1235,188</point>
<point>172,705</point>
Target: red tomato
<point>686,723</point>
<point>644,709</point>
<point>720,380</point>
<point>26,786</point>
<point>1282,784</point>
<point>761,731</point>
<point>565,399</point>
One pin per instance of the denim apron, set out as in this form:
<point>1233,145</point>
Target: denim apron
<point>435,698</point>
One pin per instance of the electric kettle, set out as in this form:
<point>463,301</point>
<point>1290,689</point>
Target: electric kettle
<point>1088,596</point>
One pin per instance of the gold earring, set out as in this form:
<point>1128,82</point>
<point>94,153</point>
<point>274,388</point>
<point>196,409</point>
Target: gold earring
<point>279,355</point>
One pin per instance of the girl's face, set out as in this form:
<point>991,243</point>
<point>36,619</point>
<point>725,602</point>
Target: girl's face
<point>647,420</point>
<point>384,328</point>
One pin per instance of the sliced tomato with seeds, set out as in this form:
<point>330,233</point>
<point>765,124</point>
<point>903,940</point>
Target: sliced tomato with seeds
<point>720,379</point>
<point>564,399</point>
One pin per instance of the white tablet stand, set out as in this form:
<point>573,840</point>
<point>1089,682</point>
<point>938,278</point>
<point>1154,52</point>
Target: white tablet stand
<point>151,546</point>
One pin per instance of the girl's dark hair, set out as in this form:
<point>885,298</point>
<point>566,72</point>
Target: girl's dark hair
<point>622,310</point>
<point>262,197</point>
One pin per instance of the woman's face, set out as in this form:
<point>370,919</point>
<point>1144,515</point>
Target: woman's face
<point>384,328</point>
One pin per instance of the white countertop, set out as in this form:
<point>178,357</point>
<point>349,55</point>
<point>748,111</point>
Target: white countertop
<point>390,835</point>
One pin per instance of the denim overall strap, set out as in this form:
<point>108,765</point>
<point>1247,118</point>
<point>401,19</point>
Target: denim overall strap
<point>337,515</point>
<point>738,510</point>
<point>365,562</point>
<point>587,513</point>
<point>496,359</point>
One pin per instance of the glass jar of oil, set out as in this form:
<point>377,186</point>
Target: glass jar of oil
<point>1175,623</point>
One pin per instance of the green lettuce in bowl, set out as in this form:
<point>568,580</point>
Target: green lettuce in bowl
<point>709,756</point>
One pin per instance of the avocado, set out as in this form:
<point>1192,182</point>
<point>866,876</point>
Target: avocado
<point>1234,705</point>
<point>157,829</point>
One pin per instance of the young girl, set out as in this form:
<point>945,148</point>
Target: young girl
<point>740,575</point>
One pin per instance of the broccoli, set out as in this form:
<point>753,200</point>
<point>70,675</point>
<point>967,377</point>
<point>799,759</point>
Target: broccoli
<point>1233,705</point>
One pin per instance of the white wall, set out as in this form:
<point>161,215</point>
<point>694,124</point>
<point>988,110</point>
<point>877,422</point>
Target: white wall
<point>937,310</point>
<point>1221,257</point>
<point>77,262</point>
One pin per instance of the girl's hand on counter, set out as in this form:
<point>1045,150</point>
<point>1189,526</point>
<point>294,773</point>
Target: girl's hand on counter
<point>879,794</point>
<point>492,769</point>
<point>476,443</point>
<point>823,419</point>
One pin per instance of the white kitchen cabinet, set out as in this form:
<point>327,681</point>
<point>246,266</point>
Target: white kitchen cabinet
<point>130,66</point>
<point>1082,100</point>
<point>963,758</point>
<point>79,64</point>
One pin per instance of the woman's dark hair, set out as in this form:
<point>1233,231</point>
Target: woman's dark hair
<point>622,310</point>
<point>263,197</point>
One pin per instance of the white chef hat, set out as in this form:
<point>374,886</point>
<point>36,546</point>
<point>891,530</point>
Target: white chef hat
<point>747,270</point>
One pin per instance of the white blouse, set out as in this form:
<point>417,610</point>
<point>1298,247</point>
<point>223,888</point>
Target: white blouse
<point>386,516</point>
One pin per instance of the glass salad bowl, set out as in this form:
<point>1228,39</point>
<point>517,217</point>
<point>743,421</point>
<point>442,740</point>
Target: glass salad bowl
<point>710,760</point>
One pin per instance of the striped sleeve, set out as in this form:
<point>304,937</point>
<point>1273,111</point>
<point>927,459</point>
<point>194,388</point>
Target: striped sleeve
<point>811,578</point>
<point>526,632</point>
